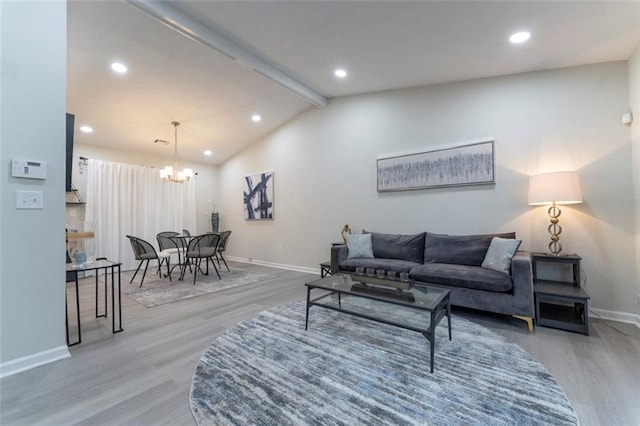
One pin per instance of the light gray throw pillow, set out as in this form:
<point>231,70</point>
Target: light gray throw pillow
<point>359,246</point>
<point>500,253</point>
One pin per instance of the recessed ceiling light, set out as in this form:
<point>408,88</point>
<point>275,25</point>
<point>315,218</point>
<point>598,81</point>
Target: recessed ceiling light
<point>208,152</point>
<point>86,129</point>
<point>520,37</point>
<point>340,73</point>
<point>118,67</point>
<point>256,117</point>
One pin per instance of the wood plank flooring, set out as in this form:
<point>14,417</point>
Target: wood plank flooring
<point>142,376</point>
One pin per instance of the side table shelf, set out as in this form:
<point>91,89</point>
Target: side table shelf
<point>562,306</point>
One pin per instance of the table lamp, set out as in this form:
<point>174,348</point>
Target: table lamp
<point>554,188</point>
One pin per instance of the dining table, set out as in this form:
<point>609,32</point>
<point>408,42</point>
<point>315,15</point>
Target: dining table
<point>181,243</point>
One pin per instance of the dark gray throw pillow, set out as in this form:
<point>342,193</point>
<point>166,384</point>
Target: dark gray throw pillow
<point>459,249</point>
<point>398,246</point>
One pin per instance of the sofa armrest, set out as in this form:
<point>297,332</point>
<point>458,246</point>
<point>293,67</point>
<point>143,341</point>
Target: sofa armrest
<point>338,254</point>
<point>522,276</point>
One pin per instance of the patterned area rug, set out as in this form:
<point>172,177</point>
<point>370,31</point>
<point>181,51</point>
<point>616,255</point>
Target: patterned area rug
<point>159,290</point>
<point>350,371</point>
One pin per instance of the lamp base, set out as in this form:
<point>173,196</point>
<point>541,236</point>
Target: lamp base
<point>554,229</point>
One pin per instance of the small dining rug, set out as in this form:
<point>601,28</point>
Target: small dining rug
<point>351,371</point>
<point>157,290</point>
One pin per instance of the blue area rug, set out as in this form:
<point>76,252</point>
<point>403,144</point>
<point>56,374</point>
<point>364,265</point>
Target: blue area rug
<point>344,370</point>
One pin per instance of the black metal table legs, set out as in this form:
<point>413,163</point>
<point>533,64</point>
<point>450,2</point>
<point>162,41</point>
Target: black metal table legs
<point>66,317</point>
<point>100,264</point>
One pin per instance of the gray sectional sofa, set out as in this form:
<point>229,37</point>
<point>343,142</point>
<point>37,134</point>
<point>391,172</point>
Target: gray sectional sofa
<point>453,261</point>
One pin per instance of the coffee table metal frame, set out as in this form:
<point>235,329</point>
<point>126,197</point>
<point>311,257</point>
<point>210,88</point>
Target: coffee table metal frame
<point>342,284</point>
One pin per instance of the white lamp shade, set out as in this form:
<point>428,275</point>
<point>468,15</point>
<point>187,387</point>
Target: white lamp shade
<point>558,187</point>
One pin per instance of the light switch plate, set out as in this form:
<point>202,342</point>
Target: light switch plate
<point>29,199</point>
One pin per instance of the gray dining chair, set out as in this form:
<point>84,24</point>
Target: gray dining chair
<point>201,247</point>
<point>222,246</point>
<point>164,241</point>
<point>171,242</point>
<point>144,251</point>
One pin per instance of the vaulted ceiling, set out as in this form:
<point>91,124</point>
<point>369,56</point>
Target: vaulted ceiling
<point>382,45</point>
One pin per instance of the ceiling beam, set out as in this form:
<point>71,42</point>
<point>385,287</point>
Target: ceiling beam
<point>213,38</point>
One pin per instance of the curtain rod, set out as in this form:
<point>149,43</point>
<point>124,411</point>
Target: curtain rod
<point>84,161</point>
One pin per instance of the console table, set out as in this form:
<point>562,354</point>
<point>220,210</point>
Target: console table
<point>560,304</point>
<point>100,264</point>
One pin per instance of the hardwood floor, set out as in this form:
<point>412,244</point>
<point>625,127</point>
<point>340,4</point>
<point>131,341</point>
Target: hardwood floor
<point>142,376</point>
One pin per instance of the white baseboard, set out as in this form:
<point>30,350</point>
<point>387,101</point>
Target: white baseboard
<point>276,265</point>
<point>625,317</point>
<point>28,362</point>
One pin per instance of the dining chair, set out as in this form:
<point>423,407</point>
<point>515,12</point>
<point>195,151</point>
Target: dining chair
<point>222,246</point>
<point>143,250</point>
<point>201,247</point>
<point>168,244</point>
<point>186,233</point>
<point>174,244</point>
<point>165,242</point>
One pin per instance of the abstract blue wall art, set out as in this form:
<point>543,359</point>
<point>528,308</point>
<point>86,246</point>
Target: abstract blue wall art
<point>471,164</point>
<point>258,196</point>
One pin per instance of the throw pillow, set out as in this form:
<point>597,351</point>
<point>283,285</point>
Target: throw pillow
<point>459,249</point>
<point>359,246</point>
<point>500,253</point>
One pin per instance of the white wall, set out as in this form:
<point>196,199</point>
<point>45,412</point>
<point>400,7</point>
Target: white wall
<point>634,104</point>
<point>569,119</point>
<point>206,189</point>
<point>33,69</point>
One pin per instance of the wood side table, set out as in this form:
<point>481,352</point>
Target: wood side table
<point>325,269</point>
<point>561,304</point>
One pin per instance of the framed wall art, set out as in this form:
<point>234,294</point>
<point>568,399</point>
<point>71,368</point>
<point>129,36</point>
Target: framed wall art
<point>258,196</point>
<point>471,164</point>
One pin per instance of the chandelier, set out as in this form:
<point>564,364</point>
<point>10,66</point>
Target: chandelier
<point>172,174</point>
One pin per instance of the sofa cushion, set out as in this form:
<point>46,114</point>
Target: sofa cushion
<point>459,249</point>
<point>377,263</point>
<point>398,246</point>
<point>500,253</point>
<point>359,246</point>
<point>474,277</point>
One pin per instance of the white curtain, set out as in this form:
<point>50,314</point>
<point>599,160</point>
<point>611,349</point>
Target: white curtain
<point>125,199</point>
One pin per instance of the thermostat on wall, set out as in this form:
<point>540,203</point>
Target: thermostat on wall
<point>29,169</point>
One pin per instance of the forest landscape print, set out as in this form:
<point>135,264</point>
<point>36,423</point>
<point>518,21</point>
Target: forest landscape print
<point>258,196</point>
<point>471,164</point>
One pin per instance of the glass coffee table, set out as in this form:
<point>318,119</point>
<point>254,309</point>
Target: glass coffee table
<point>417,308</point>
